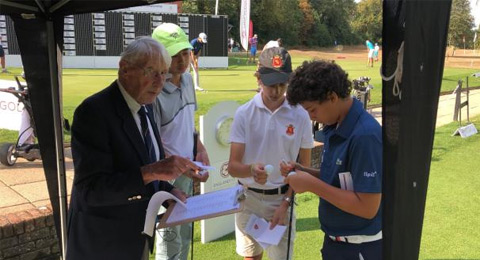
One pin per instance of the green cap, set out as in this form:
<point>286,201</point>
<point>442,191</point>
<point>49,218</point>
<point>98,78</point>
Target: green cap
<point>172,37</point>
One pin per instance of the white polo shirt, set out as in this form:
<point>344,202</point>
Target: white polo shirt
<point>174,112</point>
<point>270,136</point>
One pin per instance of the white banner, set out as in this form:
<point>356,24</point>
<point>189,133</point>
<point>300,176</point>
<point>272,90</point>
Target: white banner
<point>245,23</point>
<point>10,108</point>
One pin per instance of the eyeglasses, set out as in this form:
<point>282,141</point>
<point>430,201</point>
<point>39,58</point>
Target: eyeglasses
<point>153,74</point>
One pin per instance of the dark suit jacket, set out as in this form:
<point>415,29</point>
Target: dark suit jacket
<point>109,199</point>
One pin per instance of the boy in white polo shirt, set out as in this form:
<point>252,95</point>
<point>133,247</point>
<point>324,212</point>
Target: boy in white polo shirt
<point>174,112</point>
<point>267,130</point>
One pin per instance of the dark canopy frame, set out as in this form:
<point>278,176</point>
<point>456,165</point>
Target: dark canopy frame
<point>408,124</point>
<point>39,28</point>
<point>409,121</point>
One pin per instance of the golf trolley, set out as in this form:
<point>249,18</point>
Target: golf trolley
<point>30,150</point>
<point>361,90</point>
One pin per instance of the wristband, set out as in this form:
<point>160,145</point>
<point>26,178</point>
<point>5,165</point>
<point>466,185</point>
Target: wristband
<point>298,167</point>
<point>251,168</point>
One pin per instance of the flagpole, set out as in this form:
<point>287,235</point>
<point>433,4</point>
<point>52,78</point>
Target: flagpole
<point>245,23</point>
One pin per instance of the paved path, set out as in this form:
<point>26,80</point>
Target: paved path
<point>445,108</point>
<point>23,186</point>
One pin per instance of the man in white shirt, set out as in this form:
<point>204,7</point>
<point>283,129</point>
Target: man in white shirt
<point>266,131</point>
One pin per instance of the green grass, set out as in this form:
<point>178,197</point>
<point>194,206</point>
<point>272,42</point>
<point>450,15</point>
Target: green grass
<point>450,227</point>
<point>451,224</point>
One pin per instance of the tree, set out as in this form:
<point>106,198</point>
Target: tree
<point>308,21</point>
<point>367,20</point>
<point>272,20</point>
<point>305,22</point>
<point>335,15</point>
<point>461,24</point>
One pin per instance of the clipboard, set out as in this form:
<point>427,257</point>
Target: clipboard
<point>205,206</point>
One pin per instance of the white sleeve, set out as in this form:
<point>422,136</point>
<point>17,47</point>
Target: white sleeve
<point>307,135</point>
<point>237,132</point>
<point>188,80</point>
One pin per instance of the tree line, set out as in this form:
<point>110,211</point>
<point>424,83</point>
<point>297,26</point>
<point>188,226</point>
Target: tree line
<point>324,23</point>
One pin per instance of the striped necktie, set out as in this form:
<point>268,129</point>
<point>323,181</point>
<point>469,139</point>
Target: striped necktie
<point>147,139</point>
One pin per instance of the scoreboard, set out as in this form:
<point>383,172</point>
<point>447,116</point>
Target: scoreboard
<point>108,33</point>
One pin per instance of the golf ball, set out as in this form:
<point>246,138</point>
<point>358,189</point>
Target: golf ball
<point>269,169</point>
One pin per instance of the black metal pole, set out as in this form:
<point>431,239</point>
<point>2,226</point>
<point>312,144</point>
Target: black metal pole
<point>53,56</point>
<point>292,203</point>
<point>193,224</point>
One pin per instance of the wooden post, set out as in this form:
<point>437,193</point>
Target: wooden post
<point>457,116</point>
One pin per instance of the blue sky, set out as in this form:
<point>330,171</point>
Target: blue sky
<point>475,5</point>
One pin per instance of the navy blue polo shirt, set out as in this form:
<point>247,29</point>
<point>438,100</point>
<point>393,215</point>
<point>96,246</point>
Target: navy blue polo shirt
<point>197,46</point>
<point>355,147</point>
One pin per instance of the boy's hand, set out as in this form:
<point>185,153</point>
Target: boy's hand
<point>279,215</point>
<point>300,181</point>
<point>258,173</point>
<point>285,167</point>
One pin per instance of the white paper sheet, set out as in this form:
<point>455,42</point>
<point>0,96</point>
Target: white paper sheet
<point>346,181</point>
<point>205,168</point>
<point>154,206</point>
<point>260,230</point>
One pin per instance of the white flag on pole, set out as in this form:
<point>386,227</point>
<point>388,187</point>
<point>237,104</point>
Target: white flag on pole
<point>245,23</point>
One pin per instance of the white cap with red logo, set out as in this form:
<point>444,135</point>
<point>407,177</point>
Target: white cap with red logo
<point>203,36</point>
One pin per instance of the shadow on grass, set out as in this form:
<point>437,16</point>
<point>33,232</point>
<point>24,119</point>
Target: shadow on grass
<point>303,224</point>
<point>437,153</point>
<point>229,237</point>
<point>307,224</point>
<point>450,79</point>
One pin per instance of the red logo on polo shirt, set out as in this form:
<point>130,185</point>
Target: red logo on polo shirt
<point>277,62</point>
<point>255,226</point>
<point>290,129</point>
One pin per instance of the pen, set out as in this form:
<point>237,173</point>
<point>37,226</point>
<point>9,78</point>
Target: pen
<point>285,162</point>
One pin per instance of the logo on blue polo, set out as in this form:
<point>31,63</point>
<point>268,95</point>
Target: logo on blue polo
<point>370,174</point>
<point>339,162</point>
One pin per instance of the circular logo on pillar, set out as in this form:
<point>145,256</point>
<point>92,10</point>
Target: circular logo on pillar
<point>224,170</point>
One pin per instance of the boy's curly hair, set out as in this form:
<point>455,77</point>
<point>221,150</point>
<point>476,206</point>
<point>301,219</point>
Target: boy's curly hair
<point>315,80</point>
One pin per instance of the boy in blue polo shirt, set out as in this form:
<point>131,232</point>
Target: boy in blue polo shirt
<point>349,183</point>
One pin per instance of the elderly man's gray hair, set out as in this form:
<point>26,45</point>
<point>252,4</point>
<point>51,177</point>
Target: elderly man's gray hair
<point>144,49</point>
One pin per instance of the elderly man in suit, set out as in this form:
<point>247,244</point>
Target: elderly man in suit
<point>119,159</point>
